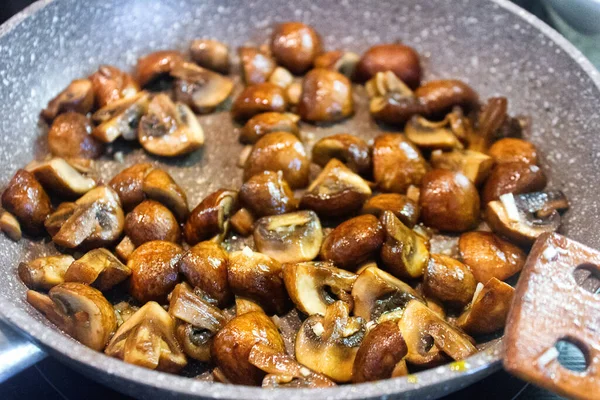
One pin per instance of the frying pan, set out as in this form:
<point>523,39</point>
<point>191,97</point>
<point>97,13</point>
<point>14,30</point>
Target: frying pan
<point>493,45</point>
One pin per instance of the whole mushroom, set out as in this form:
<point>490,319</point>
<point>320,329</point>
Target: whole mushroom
<point>149,221</point>
<point>110,84</point>
<point>397,163</point>
<point>326,96</point>
<point>259,98</point>
<point>70,136</point>
<point>295,46</point>
<point>211,217</point>
<point>402,60</point>
<point>267,193</point>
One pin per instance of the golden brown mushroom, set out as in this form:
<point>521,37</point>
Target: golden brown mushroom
<point>121,118</point>
<point>232,346</point>
<point>201,89</point>
<point>488,310</point>
<point>380,355</point>
<point>397,163</point>
<point>128,184</point>
<point>147,339</point>
<point>349,149</point>
<point>99,268</point>
<point>337,191</point>
<point>77,97</point>
<point>426,335</point>
<point>158,185</point>
<point>313,286</point>
<point>156,65</point>
<point>59,177</point>
<point>344,62</point>
<point>257,65</point>
<point>267,193</point>
<point>404,253</point>
<point>26,199</point>
<point>402,60</point>
<point>279,151</point>
<point>204,266</point>
<point>281,77</point>
<point>45,272</point>
<point>449,280</point>
<point>328,344</point>
<point>353,241</point>
<point>378,296</point>
<point>10,226</point>
<point>153,268</point>
<point>431,134</point>
<point>79,310</point>
<point>211,217</point>
<point>513,177</point>
<point>150,220</point>
<point>440,96</point>
<point>295,46</point>
<point>474,165</point>
<point>258,277</point>
<point>326,96</point>
<point>284,371</point>
<point>269,122</point>
<point>513,150</point>
<point>405,209</point>
<point>94,220</point>
<point>489,256</point>
<point>70,136</point>
<point>169,129</point>
<point>197,321</point>
<point>124,249</point>
<point>242,222</point>
<point>259,98</point>
<point>449,201</point>
<point>210,54</point>
<point>110,84</point>
<point>292,237</point>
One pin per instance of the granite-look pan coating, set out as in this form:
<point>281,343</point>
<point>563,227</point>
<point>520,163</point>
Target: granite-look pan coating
<point>493,45</point>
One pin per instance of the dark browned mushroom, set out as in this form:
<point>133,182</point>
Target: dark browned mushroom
<point>211,217</point>
<point>353,241</point>
<point>99,268</point>
<point>259,98</point>
<point>402,60</point>
<point>474,165</point>
<point>349,149</point>
<point>439,97</point>
<point>150,220</point>
<point>110,84</point>
<point>121,118</point>
<point>268,122</point>
<point>257,65</point>
<point>326,96</point>
<point>169,129</point>
<point>70,136</point>
<point>295,46</point>
<point>204,266</point>
<point>267,193</point>
<point>449,280</point>
<point>77,97</point>
<point>158,185</point>
<point>201,89</point>
<point>210,54</point>
<point>397,163</point>
<point>128,185</point>
<point>79,310</point>
<point>156,65</point>
<point>154,270</point>
<point>242,222</point>
<point>513,150</point>
<point>405,209</point>
<point>258,277</point>
<point>26,199</point>
<point>513,177</point>
<point>279,151</point>
<point>449,201</point>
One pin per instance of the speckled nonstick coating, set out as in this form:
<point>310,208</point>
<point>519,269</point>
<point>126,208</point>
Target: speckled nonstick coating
<point>496,47</point>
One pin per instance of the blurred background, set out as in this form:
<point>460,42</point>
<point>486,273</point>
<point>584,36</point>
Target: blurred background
<point>577,20</point>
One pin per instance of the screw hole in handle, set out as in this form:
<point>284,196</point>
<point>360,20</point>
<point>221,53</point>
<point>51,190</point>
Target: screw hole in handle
<point>572,355</point>
<point>587,277</point>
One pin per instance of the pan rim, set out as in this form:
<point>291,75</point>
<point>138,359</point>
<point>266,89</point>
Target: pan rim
<point>482,363</point>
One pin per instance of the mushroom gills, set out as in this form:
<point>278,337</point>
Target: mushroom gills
<point>98,267</point>
<point>121,118</point>
<point>45,272</point>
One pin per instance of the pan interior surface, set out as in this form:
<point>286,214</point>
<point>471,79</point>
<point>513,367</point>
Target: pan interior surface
<point>492,45</point>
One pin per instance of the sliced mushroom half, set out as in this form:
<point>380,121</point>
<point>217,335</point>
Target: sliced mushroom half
<point>158,185</point>
<point>94,220</point>
<point>59,177</point>
<point>379,296</point>
<point>404,253</point>
<point>45,272</point>
<point>431,134</point>
<point>201,89</point>
<point>488,309</point>
<point>383,83</point>
<point>120,118</point>
<point>169,129</point>
<point>79,310</point>
<point>313,286</point>
<point>111,84</point>
<point>147,339</point>
<point>197,321</point>
<point>288,238</point>
<point>10,226</point>
<point>349,149</point>
<point>129,184</point>
<point>474,165</point>
<point>337,191</point>
<point>77,97</point>
<point>522,218</point>
<point>210,218</point>
<point>284,371</point>
<point>426,334</point>
<point>98,267</point>
<point>328,344</point>
<point>405,209</point>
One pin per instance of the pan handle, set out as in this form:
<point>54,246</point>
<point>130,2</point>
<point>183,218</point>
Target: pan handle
<point>16,352</point>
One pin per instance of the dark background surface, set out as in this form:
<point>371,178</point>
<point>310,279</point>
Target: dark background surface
<point>51,380</point>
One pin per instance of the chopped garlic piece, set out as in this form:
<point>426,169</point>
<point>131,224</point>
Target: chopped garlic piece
<point>247,251</point>
<point>478,290</point>
<point>318,329</point>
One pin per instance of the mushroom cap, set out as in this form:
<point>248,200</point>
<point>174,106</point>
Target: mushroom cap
<point>98,267</point>
<point>257,65</point>
<point>405,209</point>
<point>449,280</point>
<point>157,64</point>
<point>210,54</point>
<point>111,84</point>
<point>70,136</point>
<point>160,186</point>
<point>269,122</point>
<point>326,96</point>
<point>201,89</point>
<point>402,60</point>
<point>259,98</point>
<point>267,193</point>
<point>211,216</point>
<point>512,177</point>
<point>45,272</point>
<point>349,149</point>
<point>295,46</point>
<point>149,221</point>
<point>513,150</point>
<point>128,184</point>
<point>77,97</point>
<point>440,96</point>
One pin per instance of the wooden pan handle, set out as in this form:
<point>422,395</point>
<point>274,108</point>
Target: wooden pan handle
<point>555,300</point>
